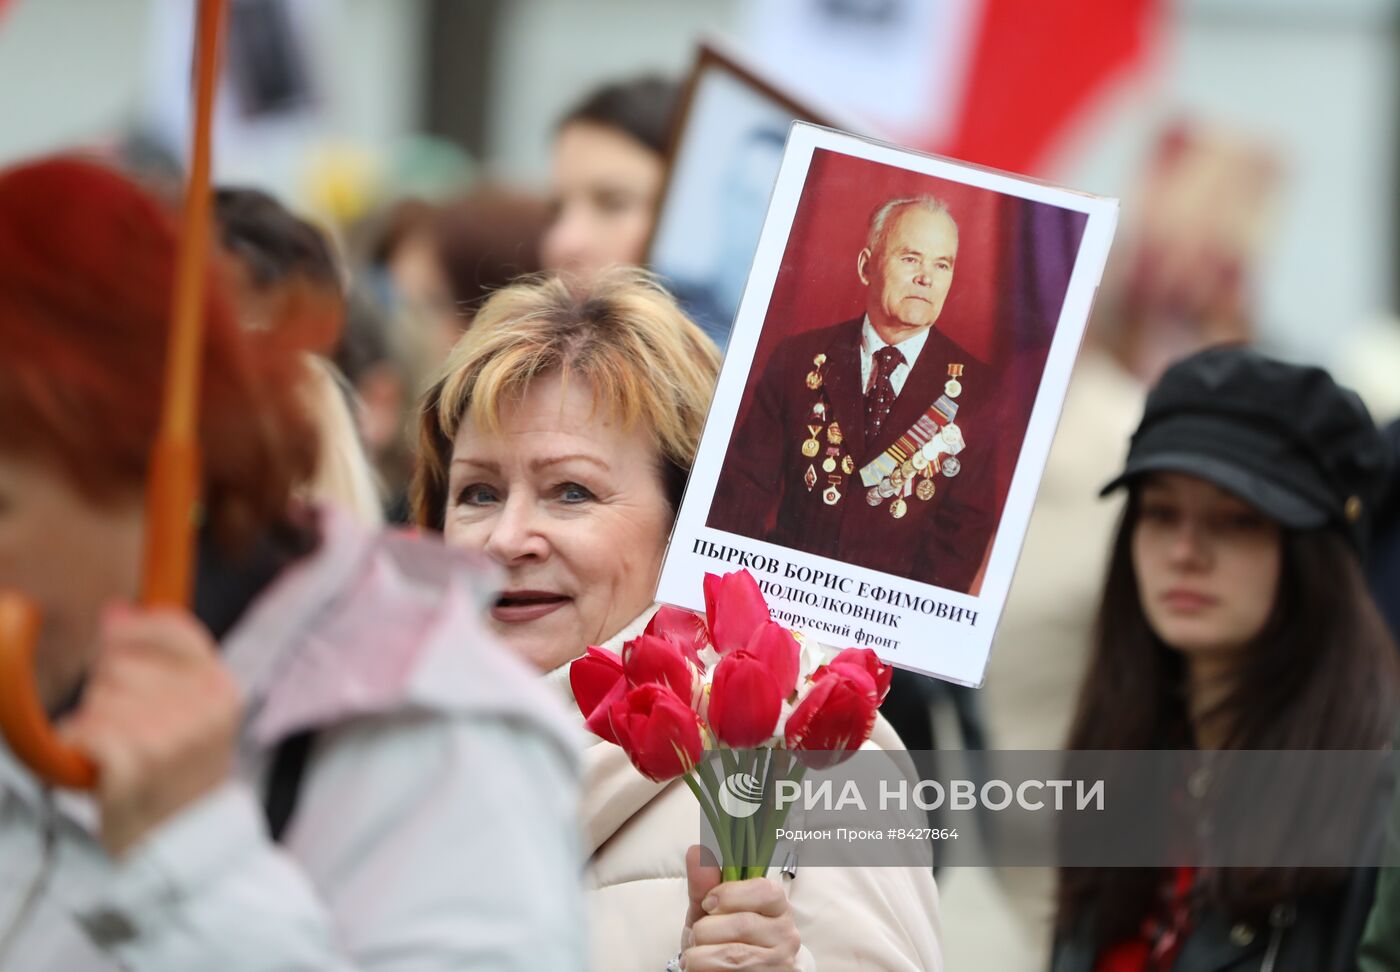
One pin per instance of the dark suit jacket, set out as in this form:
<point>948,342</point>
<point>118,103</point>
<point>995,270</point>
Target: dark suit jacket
<point>763,492</point>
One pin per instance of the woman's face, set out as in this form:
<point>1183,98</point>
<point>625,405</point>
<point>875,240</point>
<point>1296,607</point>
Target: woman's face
<point>605,186</point>
<point>1207,564</point>
<point>571,505</point>
<point>70,556</point>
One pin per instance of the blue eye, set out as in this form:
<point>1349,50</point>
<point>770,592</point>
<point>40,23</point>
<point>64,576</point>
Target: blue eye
<point>476,494</point>
<point>574,493</point>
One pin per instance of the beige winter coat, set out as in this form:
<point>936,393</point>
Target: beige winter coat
<point>635,834</point>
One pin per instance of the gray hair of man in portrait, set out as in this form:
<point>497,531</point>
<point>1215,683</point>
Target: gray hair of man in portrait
<point>880,219</point>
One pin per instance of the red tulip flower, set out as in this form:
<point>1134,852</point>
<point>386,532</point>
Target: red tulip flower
<point>869,662</point>
<point>745,701</point>
<point>778,650</point>
<point>658,731</point>
<point>648,659</point>
<point>835,718</point>
<point>734,608</point>
<point>597,681</point>
<point>684,629</point>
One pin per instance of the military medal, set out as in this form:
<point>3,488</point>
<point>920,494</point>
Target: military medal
<point>832,495</point>
<point>833,434</point>
<point>811,447</point>
<point>814,377</point>
<point>829,464</point>
<point>953,387</point>
<point>908,466</point>
<point>848,465</point>
<point>920,436</point>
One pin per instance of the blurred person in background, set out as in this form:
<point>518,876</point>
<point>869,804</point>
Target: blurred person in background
<point>405,268</point>
<point>378,363</point>
<point>485,239</point>
<point>609,162</point>
<point>1235,615</point>
<point>558,444</point>
<point>1182,277</point>
<point>1185,270</point>
<point>285,274</point>
<point>328,762</point>
<point>428,268</point>
<point>284,268</point>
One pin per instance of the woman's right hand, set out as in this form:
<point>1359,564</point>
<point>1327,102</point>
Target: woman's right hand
<point>736,925</point>
<point>159,715</point>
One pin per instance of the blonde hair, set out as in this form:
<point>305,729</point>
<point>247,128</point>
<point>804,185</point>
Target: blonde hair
<point>620,333</point>
<point>343,474</point>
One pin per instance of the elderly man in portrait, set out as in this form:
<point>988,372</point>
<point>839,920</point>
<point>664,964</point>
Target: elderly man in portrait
<point>863,441</point>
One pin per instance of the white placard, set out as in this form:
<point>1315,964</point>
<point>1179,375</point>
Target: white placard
<point>995,292</point>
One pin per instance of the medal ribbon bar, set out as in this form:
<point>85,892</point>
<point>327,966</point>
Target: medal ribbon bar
<point>922,432</point>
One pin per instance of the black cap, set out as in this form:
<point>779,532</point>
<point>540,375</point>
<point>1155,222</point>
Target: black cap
<point>1285,438</point>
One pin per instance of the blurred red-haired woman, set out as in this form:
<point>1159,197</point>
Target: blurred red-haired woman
<point>332,689</point>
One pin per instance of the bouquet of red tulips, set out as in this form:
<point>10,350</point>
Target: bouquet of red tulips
<point>770,702</point>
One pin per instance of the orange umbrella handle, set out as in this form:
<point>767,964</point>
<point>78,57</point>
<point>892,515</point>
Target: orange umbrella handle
<point>172,492</point>
<point>26,725</point>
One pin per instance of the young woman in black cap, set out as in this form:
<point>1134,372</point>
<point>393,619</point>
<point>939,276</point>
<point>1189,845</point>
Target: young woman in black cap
<point>1235,615</point>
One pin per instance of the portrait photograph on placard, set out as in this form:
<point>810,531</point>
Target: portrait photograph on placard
<point>724,159</point>
<point>877,405</point>
<point>898,363</point>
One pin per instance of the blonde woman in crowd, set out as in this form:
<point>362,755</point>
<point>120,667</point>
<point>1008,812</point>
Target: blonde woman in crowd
<point>557,444</point>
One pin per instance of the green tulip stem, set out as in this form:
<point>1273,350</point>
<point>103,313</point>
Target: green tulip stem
<point>721,833</point>
<point>750,863</point>
<point>733,870</point>
<point>765,816</point>
<point>770,835</point>
<point>725,834</point>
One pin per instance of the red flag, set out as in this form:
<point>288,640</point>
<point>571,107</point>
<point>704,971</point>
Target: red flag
<point>1036,65</point>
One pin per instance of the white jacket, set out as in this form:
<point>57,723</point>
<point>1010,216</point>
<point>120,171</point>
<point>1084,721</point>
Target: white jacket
<point>436,827</point>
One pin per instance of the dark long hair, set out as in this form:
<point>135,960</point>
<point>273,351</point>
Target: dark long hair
<point>1321,675</point>
<point>643,108</point>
